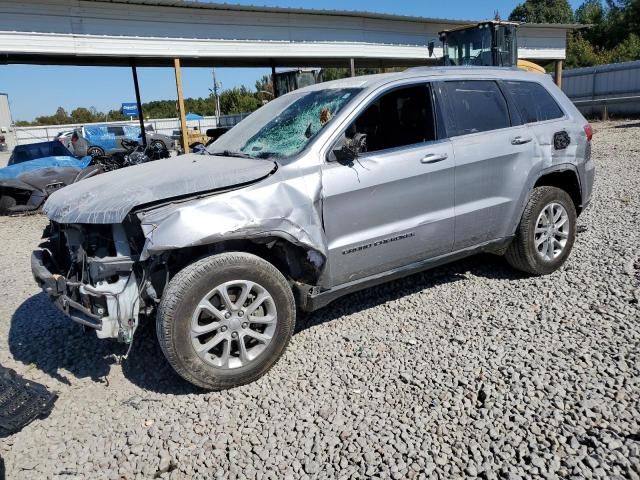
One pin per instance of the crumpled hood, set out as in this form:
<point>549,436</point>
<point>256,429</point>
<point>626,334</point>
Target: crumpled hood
<point>109,197</point>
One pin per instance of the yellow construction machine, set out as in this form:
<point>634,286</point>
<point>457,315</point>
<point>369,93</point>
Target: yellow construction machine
<point>491,44</point>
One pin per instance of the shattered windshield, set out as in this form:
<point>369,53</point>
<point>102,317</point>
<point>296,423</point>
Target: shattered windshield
<point>285,126</point>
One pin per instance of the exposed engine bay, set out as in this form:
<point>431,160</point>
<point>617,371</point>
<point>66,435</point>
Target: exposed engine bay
<point>95,278</point>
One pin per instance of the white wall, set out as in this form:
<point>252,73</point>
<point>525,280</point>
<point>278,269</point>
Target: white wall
<point>119,31</point>
<point>6,128</point>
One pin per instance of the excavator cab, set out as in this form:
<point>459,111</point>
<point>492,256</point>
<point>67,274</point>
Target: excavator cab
<point>490,44</point>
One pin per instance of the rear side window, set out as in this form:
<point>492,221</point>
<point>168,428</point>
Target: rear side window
<point>117,131</point>
<point>534,103</point>
<point>475,106</point>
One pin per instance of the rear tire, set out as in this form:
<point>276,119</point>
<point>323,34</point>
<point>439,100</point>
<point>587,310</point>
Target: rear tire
<point>546,233</point>
<point>200,331</point>
<point>7,202</point>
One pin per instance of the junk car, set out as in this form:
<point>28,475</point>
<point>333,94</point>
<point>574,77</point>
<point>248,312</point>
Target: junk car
<point>102,140</point>
<point>324,191</point>
<point>35,171</point>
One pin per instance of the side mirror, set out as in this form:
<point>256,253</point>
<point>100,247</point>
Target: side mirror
<point>351,148</point>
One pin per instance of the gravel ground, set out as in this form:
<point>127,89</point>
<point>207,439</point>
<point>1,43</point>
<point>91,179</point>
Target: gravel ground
<point>467,370</point>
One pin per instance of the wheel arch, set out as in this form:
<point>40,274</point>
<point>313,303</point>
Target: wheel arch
<point>299,264</point>
<point>566,179</point>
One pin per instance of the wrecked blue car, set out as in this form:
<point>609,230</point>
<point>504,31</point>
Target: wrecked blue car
<point>35,171</point>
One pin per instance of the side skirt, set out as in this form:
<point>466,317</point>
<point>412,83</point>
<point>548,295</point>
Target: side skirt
<point>310,298</point>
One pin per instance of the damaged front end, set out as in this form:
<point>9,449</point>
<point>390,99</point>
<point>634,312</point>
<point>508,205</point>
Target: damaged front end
<point>90,273</point>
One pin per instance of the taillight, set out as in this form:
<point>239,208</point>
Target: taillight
<point>588,130</point>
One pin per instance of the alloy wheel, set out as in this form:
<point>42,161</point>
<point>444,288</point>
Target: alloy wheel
<point>233,324</point>
<point>552,231</point>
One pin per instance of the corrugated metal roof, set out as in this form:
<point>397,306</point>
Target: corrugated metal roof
<point>609,67</point>
<point>308,11</point>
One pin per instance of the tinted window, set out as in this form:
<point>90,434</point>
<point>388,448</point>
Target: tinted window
<point>117,131</point>
<point>475,106</point>
<point>534,103</point>
<point>26,153</point>
<point>400,117</point>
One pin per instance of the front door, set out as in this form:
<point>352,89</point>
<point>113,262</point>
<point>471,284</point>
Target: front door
<point>393,205</point>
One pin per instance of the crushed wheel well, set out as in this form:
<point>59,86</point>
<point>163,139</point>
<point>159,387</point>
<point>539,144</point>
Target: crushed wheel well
<point>566,180</point>
<point>294,262</point>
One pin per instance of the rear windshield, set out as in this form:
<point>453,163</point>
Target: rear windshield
<point>26,153</point>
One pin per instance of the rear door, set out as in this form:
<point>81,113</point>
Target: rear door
<point>555,137</point>
<point>493,157</point>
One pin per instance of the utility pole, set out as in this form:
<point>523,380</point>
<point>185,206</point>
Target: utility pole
<point>216,98</point>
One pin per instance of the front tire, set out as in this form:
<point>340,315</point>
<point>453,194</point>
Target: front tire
<point>158,144</point>
<point>546,232</point>
<point>225,320</point>
<point>95,152</point>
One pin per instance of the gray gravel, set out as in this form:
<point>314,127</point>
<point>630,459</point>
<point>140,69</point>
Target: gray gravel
<point>468,370</point>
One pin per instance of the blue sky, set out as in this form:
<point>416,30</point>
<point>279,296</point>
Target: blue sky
<point>39,90</point>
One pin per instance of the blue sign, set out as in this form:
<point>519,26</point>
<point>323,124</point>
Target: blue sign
<point>130,109</point>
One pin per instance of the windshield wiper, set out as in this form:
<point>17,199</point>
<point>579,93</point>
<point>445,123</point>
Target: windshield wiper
<point>229,153</point>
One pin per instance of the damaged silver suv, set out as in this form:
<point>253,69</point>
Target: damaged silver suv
<point>324,191</point>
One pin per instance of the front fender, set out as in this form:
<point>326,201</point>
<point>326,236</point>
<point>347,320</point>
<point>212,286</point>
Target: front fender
<point>288,209</point>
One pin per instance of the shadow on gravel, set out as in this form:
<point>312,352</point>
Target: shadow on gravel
<point>628,125</point>
<point>148,368</point>
<point>42,337</point>
<point>482,265</point>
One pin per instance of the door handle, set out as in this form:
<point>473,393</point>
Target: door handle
<point>434,158</point>
<point>520,140</point>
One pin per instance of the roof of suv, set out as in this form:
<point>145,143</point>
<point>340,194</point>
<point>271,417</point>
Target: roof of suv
<point>372,81</point>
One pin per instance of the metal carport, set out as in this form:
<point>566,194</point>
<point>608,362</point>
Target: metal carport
<point>188,33</point>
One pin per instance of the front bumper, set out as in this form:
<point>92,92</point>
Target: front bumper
<point>59,291</point>
<point>110,308</point>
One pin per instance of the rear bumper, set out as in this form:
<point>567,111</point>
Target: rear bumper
<point>60,292</point>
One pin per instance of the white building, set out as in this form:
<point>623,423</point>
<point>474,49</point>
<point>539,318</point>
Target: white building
<point>6,124</point>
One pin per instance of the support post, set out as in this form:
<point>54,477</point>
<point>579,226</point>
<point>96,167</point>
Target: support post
<point>181,114</point>
<point>139,103</point>
<point>558,76</point>
<point>274,83</point>
<point>353,67</point>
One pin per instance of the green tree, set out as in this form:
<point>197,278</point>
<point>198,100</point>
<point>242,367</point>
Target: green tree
<point>82,115</point>
<point>238,100</point>
<point>264,88</point>
<point>542,11</point>
<point>612,34</point>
